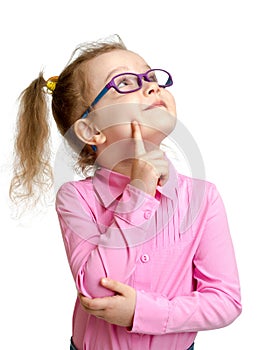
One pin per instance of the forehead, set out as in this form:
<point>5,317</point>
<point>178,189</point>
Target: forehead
<point>117,61</point>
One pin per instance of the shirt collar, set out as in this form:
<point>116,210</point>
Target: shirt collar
<point>109,185</point>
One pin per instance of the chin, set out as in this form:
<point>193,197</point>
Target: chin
<point>153,138</point>
<point>157,132</point>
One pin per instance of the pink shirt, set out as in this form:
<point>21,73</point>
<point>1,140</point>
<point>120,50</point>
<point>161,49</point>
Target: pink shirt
<point>174,249</point>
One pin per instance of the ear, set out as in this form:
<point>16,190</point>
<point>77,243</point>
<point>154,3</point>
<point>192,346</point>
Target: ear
<point>88,133</point>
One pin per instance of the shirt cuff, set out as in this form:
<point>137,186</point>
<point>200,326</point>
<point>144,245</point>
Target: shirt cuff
<point>151,314</point>
<point>136,207</point>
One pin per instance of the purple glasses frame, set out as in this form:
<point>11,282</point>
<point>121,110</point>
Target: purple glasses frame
<point>111,84</point>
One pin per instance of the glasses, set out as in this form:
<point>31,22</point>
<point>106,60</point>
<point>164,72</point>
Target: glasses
<point>126,83</point>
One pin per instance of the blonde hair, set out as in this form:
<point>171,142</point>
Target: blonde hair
<point>32,169</point>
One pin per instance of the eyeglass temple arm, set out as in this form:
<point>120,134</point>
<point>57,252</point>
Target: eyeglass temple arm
<point>98,97</point>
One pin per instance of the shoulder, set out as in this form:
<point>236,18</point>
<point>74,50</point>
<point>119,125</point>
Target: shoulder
<point>197,190</point>
<point>198,201</point>
<point>190,183</point>
<point>73,191</point>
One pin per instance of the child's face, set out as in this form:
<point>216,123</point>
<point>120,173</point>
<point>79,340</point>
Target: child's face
<point>153,107</point>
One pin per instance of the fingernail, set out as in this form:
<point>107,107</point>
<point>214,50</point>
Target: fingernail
<point>104,281</point>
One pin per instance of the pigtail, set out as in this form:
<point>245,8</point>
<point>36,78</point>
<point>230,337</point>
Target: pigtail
<point>32,170</point>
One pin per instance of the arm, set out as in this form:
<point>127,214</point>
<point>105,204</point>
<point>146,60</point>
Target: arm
<point>118,309</point>
<point>94,250</point>
<point>216,301</point>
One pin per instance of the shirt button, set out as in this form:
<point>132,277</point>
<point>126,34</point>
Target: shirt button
<point>144,258</point>
<point>147,214</point>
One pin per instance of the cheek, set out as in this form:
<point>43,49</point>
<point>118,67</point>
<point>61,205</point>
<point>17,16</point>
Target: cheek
<point>117,116</point>
<point>170,101</point>
<point>115,120</point>
<point>116,133</point>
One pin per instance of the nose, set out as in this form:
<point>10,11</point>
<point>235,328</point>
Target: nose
<point>150,87</point>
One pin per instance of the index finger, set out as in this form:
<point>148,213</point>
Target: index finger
<point>137,137</point>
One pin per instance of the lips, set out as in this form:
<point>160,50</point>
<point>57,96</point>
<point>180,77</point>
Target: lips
<point>156,104</point>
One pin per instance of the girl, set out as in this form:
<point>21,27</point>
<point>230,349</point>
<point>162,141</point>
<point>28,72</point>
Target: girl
<point>149,249</point>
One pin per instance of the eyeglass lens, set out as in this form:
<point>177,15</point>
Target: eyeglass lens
<point>131,82</point>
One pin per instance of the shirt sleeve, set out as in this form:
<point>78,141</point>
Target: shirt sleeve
<point>216,301</point>
<point>96,250</point>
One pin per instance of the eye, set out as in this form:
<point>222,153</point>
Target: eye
<point>123,82</point>
<point>126,82</point>
<point>152,77</point>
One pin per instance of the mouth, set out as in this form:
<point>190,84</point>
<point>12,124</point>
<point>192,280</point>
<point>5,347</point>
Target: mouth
<point>157,104</point>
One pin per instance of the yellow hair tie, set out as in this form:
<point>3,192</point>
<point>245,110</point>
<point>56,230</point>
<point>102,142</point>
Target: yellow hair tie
<point>51,83</point>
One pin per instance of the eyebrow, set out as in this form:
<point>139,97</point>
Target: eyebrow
<point>117,70</point>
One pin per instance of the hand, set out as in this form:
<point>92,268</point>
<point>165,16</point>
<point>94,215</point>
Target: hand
<point>118,309</point>
<point>148,168</point>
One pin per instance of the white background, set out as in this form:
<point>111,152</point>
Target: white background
<point>211,48</point>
